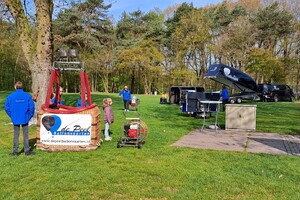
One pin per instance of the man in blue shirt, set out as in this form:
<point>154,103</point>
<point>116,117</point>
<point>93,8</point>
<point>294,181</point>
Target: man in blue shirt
<point>225,96</point>
<point>126,97</point>
<point>19,107</point>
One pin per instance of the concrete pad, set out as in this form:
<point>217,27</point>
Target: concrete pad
<point>241,140</point>
<point>208,139</point>
<point>292,144</point>
<point>266,144</point>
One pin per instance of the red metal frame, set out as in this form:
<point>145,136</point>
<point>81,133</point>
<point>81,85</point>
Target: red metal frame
<point>62,109</point>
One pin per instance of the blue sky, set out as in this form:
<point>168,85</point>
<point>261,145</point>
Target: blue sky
<point>119,6</point>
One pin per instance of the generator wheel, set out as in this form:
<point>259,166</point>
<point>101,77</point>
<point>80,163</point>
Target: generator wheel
<point>119,144</point>
<point>140,145</point>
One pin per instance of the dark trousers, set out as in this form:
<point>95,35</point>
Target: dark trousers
<point>25,137</point>
<point>126,104</point>
<point>224,101</point>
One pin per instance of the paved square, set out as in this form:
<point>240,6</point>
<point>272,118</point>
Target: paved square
<point>240,140</point>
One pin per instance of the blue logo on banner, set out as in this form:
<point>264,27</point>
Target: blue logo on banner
<point>53,122</point>
<point>57,123</point>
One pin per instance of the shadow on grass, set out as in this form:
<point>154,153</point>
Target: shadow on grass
<point>32,142</point>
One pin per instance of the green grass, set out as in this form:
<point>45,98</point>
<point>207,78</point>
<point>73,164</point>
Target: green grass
<point>158,170</point>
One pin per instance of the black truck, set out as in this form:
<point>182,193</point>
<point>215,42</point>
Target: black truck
<point>275,92</point>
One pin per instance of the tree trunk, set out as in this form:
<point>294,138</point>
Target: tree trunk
<point>132,83</point>
<point>43,57</point>
<point>105,82</point>
<point>39,56</point>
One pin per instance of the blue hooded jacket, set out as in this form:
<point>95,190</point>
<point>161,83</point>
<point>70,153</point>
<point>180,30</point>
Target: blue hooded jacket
<point>126,95</point>
<point>19,106</point>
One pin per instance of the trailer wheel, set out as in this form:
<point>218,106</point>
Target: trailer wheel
<point>232,101</point>
<point>239,100</point>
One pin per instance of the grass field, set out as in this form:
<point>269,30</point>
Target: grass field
<point>158,170</point>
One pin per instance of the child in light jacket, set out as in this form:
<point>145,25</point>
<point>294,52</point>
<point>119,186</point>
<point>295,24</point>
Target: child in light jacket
<point>108,117</point>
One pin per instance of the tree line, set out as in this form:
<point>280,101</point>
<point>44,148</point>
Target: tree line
<point>154,50</point>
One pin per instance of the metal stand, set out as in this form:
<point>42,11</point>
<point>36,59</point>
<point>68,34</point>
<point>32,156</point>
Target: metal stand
<point>206,109</point>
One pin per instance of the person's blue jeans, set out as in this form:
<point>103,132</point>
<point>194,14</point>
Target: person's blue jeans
<point>25,137</point>
<point>106,131</point>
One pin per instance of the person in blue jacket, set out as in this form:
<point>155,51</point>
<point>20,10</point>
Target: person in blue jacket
<point>126,97</point>
<point>19,106</point>
<point>225,96</point>
<point>79,102</point>
<point>53,100</point>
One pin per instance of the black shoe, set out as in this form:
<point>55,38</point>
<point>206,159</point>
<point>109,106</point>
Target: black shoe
<point>29,153</point>
<point>13,154</point>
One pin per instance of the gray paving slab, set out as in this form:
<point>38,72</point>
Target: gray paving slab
<point>292,144</point>
<point>240,140</point>
<point>269,143</point>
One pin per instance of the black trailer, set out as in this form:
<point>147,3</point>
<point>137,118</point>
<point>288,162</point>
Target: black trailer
<point>177,94</point>
<point>234,79</point>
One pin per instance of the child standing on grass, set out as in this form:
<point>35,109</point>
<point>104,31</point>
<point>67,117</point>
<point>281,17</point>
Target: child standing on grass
<point>108,117</point>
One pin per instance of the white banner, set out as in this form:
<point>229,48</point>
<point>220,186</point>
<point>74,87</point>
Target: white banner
<point>65,129</point>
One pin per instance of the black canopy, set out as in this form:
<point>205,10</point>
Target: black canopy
<point>231,77</point>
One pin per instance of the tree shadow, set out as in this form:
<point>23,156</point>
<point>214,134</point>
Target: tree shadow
<point>291,147</point>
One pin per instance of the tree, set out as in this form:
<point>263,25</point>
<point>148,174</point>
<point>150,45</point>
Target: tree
<point>171,23</point>
<point>86,27</point>
<point>133,30</point>
<point>141,62</point>
<point>272,24</point>
<point>12,63</point>
<point>101,65</point>
<point>235,42</point>
<point>189,42</point>
<point>154,26</point>
<point>38,51</point>
<point>266,66</point>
